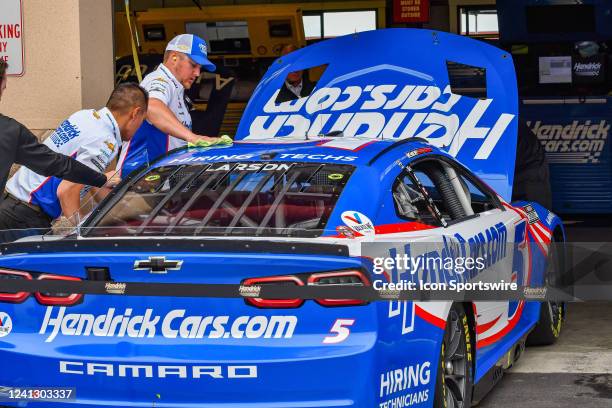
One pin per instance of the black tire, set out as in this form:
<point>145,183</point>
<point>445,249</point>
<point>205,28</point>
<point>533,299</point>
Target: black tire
<point>548,328</point>
<point>455,377</point>
<point>552,314</point>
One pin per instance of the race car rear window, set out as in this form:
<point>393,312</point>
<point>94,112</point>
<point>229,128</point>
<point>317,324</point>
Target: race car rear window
<point>246,198</point>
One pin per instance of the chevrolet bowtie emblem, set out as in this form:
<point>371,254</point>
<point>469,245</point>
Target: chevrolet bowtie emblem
<point>157,264</point>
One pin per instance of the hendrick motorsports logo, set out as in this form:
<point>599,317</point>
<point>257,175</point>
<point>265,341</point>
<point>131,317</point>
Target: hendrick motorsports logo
<point>535,293</point>
<point>171,325</point>
<point>578,142</point>
<point>590,69</point>
<point>387,111</point>
<point>249,291</point>
<point>115,288</point>
<point>6,324</point>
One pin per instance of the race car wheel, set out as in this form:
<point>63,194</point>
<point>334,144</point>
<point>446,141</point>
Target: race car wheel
<point>548,329</point>
<point>552,314</point>
<point>455,376</point>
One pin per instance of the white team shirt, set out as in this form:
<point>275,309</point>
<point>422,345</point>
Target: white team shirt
<point>91,137</point>
<point>161,84</point>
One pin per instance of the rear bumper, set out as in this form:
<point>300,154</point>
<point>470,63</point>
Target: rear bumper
<point>146,371</point>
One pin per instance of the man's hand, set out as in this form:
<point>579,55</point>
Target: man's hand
<point>64,225</point>
<point>195,139</point>
<point>205,141</point>
<point>112,179</point>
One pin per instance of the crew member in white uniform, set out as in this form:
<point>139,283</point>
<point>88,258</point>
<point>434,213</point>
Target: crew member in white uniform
<point>168,124</point>
<point>92,137</point>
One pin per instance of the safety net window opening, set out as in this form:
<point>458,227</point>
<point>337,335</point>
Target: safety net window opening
<point>245,198</point>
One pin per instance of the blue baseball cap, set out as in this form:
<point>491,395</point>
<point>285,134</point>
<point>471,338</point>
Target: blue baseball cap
<point>194,47</point>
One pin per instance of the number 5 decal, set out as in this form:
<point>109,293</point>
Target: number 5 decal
<point>341,331</point>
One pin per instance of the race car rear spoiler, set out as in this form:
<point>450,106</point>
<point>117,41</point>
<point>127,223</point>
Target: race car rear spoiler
<point>175,245</point>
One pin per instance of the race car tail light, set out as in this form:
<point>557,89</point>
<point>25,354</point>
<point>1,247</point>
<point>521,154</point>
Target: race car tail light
<point>339,278</point>
<point>58,299</point>
<point>274,303</point>
<point>13,297</point>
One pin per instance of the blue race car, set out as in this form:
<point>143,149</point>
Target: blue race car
<point>285,206</point>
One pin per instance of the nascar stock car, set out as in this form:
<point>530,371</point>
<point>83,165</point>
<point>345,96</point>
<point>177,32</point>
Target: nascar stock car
<point>408,158</point>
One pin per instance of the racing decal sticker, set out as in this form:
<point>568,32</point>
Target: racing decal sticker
<point>152,177</point>
<point>115,288</point>
<point>532,215</point>
<point>335,176</point>
<point>400,92</point>
<point>419,151</point>
<point>225,167</point>
<point>540,233</point>
<point>359,223</point>
<point>157,370</point>
<point>333,108</point>
<point>6,324</point>
<point>340,331</point>
<point>403,379</point>
<point>345,232</point>
<point>204,159</point>
<point>171,325</point>
<point>301,156</point>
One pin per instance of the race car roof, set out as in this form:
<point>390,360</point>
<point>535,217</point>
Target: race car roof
<point>355,151</point>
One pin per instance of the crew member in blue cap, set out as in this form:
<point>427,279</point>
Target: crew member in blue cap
<point>168,123</point>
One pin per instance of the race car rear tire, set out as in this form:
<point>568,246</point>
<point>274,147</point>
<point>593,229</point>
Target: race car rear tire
<point>548,328</point>
<point>552,314</point>
<point>455,377</point>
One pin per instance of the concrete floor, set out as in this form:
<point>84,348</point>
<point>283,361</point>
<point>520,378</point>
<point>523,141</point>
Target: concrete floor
<point>574,372</point>
<point>577,370</point>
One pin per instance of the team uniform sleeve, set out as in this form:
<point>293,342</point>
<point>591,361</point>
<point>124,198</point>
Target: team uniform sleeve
<point>44,161</point>
<point>159,88</point>
<point>96,154</point>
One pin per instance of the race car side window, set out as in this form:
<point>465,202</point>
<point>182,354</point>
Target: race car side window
<point>431,175</point>
<point>481,200</point>
<point>455,193</point>
<point>480,197</point>
<point>410,203</point>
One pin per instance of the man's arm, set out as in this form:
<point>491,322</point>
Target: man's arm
<point>165,120</point>
<point>44,161</point>
<point>69,196</point>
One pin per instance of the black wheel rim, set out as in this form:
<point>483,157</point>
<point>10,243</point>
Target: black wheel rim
<point>556,315</point>
<point>455,363</point>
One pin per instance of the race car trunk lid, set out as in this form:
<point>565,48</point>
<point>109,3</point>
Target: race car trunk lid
<point>160,349</point>
<point>458,93</point>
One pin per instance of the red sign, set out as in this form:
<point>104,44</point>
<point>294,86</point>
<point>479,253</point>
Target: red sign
<point>410,11</point>
<point>11,38</point>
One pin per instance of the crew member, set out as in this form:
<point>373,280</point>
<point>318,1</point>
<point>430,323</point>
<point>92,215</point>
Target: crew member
<point>531,172</point>
<point>296,85</point>
<point>168,124</point>
<point>92,137</point>
<point>19,145</point>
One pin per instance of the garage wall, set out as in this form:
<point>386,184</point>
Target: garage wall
<point>453,8</point>
<point>68,62</point>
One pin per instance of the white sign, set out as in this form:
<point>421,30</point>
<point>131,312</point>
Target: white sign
<point>556,70</point>
<point>11,35</point>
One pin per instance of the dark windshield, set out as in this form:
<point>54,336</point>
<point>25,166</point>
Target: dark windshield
<point>247,198</point>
